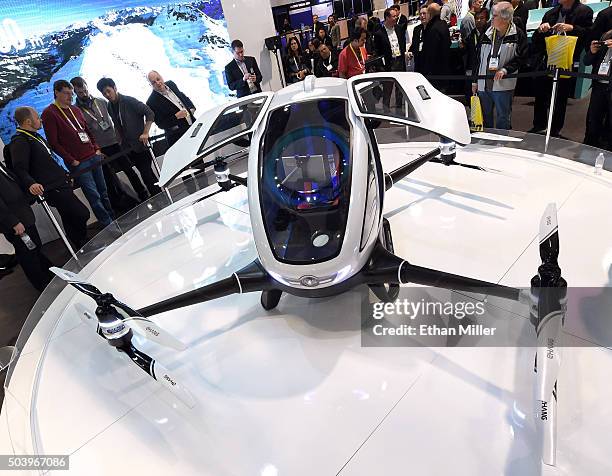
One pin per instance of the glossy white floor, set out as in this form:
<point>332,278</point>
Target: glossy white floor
<point>292,392</point>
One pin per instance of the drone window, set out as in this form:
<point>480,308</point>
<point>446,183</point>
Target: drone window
<point>305,180</point>
<point>384,97</point>
<point>234,121</point>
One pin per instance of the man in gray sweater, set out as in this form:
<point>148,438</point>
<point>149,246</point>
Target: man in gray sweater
<point>100,124</point>
<point>133,120</point>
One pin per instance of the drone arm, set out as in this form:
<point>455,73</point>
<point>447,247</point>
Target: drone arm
<point>238,180</point>
<point>387,268</point>
<point>409,273</point>
<point>250,279</point>
<point>401,172</point>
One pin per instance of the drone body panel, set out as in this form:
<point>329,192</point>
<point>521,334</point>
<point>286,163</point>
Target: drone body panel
<point>315,245</point>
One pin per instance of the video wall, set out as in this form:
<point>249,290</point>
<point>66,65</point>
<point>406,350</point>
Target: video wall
<point>42,41</point>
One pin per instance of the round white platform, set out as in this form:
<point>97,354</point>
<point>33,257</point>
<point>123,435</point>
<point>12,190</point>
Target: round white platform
<point>291,391</point>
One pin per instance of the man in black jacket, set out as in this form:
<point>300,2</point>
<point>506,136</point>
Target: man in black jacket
<point>436,46</point>
<point>416,46</point>
<point>133,120</point>
<point>390,43</point>
<point>574,19</point>
<point>174,111</point>
<point>326,64</point>
<point>242,74</point>
<point>598,131</point>
<point>40,173</point>
<point>16,221</point>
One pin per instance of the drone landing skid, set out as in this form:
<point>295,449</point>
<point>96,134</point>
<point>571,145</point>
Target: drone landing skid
<point>270,299</point>
<point>387,292</point>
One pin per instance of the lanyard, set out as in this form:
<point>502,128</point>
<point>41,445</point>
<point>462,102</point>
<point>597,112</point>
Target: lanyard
<point>35,138</point>
<point>98,108</point>
<point>355,54</point>
<point>68,120</point>
<point>502,41</point>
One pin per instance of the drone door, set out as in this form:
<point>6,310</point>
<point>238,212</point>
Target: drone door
<point>214,129</point>
<point>408,98</point>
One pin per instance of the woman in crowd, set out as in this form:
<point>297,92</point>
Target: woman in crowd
<point>295,64</point>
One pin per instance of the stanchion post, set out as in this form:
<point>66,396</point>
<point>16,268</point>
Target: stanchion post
<point>551,109</point>
<point>158,170</point>
<point>56,225</point>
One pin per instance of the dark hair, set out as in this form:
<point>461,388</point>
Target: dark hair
<point>105,83</point>
<point>319,31</point>
<point>485,11</point>
<point>290,51</point>
<point>22,113</point>
<point>388,12</point>
<point>356,33</point>
<point>78,82</point>
<point>316,43</point>
<point>59,85</point>
<point>237,44</point>
<point>606,36</point>
<point>395,7</point>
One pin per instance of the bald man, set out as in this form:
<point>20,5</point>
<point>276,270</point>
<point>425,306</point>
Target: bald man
<point>436,46</point>
<point>174,111</point>
<point>40,172</point>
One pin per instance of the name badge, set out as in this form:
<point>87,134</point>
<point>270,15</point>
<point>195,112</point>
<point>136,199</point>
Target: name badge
<point>420,47</point>
<point>84,137</point>
<point>494,63</point>
<point>604,68</point>
<point>329,67</point>
<point>104,125</point>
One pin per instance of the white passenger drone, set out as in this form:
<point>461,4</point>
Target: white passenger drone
<point>316,187</point>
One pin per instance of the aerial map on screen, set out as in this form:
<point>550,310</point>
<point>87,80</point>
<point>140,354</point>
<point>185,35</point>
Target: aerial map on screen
<point>42,41</point>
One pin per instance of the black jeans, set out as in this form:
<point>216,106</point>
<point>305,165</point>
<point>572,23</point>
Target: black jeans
<point>598,124</point>
<point>34,263</point>
<point>124,165</point>
<point>543,87</point>
<point>142,161</point>
<point>73,212</point>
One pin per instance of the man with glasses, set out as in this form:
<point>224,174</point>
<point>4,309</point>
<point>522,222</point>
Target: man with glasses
<point>501,51</point>
<point>69,137</point>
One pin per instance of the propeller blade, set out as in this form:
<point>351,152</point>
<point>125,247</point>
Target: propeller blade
<point>76,282</point>
<point>547,368</point>
<point>147,328</point>
<point>468,166</point>
<point>495,137</point>
<point>548,354</point>
<point>171,382</point>
<point>549,235</point>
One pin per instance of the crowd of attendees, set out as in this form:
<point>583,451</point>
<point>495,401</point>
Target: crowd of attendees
<point>492,40</point>
<point>78,135</point>
<point>80,132</point>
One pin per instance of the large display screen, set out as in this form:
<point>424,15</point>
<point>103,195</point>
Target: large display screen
<point>42,41</point>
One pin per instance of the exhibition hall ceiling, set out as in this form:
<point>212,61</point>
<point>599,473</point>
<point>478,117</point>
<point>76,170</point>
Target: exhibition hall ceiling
<point>42,41</point>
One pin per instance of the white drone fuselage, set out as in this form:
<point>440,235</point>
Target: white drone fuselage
<point>358,177</point>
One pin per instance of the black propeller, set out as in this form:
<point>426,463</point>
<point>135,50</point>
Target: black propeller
<point>115,322</point>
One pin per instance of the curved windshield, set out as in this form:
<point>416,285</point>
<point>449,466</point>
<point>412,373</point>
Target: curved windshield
<point>305,180</point>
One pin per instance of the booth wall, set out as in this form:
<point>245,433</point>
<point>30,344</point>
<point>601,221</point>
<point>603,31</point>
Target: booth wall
<point>251,22</point>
